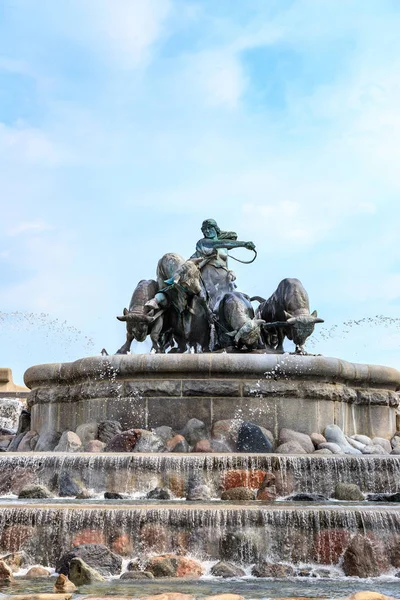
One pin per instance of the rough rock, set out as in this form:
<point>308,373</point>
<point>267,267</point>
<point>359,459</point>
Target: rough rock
<point>15,537</point>
<point>63,584</point>
<point>239,547</point>
<point>68,485</point>
<point>253,438</point>
<point>364,558</point>
<point>94,446</point>
<point>15,560</point>
<point>148,441</point>
<point>48,441</point>
<point>84,495</point>
<point>307,498</point>
<point>5,441</point>
<point>323,451</point>
<point>289,435</point>
<point>122,544</point>
<point>221,447</point>
<point>154,537</point>
<point>194,431</point>
<point>178,441</point>
<point>88,535</point>
<point>374,449</point>
<point>202,446</point>
<point>97,556</point>
<point>330,544</point>
<point>6,574</point>
<point>317,438</point>
<point>171,565</point>
<point>113,496</point>
<point>123,442</point>
<point>87,432</point>
<point>348,491</point>
<point>335,435</point>
<point>28,442</point>
<point>199,493</point>
<point>396,450</point>
<point>159,494</point>
<point>227,431</point>
<point>10,410</point>
<point>239,493</point>
<point>355,443</point>
<point>333,448</point>
<point>165,433</point>
<point>37,572</point>
<point>395,497</point>
<point>24,425</point>
<point>363,439</point>
<point>254,478</point>
<point>137,575</point>
<point>291,447</point>
<point>225,569</point>
<point>269,569</point>
<point>395,441</point>
<point>385,444</point>
<point>69,442</point>
<point>81,574</point>
<point>107,430</point>
<point>267,494</point>
<point>35,491</point>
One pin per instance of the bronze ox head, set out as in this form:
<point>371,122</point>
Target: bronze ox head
<point>299,328</point>
<point>187,276</point>
<point>137,323</point>
<point>249,333</point>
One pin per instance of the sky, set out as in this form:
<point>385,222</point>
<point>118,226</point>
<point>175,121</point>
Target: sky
<point>125,123</point>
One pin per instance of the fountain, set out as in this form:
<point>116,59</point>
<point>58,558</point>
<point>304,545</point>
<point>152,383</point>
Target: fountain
<point>209,449</point>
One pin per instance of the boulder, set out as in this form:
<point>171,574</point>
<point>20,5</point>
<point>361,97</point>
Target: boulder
<point>87,432</point>
<point>202,446</point>
<point>307,498</point>
<point>385,444</point>
<point>123,442</point>
<point>395,497</point>
<point>148,441</point>
<point>159,494</point>
<point>36,573</point>
<point>10,410</point>
<point>69,442</point>
<point>374,449</point>
<point>35,491</point>
<point>239,547</point>
<point>221,447</point>
<point>225,569</point>
<point>363,439</point>
<point>253,438</point>
<point>68,485</point>
<point>396,450</point>
<point>270,569</point>
<point>63,584</point>
<point>97,556</point>
<point>171,565</point>
<point>154,537</point>
<point>291,447</point>
<point>5,441</point>
<point>28,442</point>
<point>330,544</point>
<point>107,430</point>
<point>267,494</point>
<point>48,441</point>
<point>165,433</point>
<point>288,435</point>
<point>175,441</point>
<point>335,435</point>
<point>122,544</point>
<point>88,535</point>
<point>364,557</point>
<point>194,431</point>
<point>226,431</point>
<point>15,560</point>
<point>199,493</point>
<point>348,491</point>
<point>253,478</point>
<point>333,448</point>
<point>355,443</point>
<point>94,446</point>
<point>323,451</point>
<point>239,493</point>
<point>317,438</point>
<point>81,574</point>
<point>137,575</point>
<point>113,496</point>
<point>6,574</point>
<point>395,441</point>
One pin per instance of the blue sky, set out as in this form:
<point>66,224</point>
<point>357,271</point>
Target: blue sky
<point>125,123</point>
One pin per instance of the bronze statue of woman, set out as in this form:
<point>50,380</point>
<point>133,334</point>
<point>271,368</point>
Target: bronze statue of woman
<point>213,248</point>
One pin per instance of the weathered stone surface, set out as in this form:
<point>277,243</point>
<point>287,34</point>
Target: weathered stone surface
<point>221,447</point>
<point>225,569</point>
<point>363,439</point>
<point>385,444</point>
<point>159,494</point>
<point>239,493</point>
<point>10,410</point>
<point>267,494</point>
<point>355,444</point>
<point>95,446</point>
<point>165,433</point>
<point>288,435</point>
<point>122,544</point>
<point>107,430</point>
<point>81,574</point>
<point>395,441</point>
<point>87,432</point>
<point>61,596</point>
<point>123,442</point>
<point>48,441</point>
<point>291,447</point>
<point>137,575</point>
<point>396,450</point>
<point>63,584</point>
<point>246,478</point>
<point>15,560</point>
<point>5,441</point>
<point>239,547</point>
<point>227,431</point>
<point>330,544</point>
<point>269,569</point>
<point>68,485</point>
<point>88,536</point>
<point>333,448</point>
<point>199,493</point>
<point>303,497</point>
<point>113,496</point>
<point>194,431</point>
<point>323,451</point>
<point>202,446</point>
<point>374,449</point>
<point>154,537</point>
<point>395,497</point>
<point>37,572</point>
<point>14,537</point>
<point>69,442</point>
<point>317,438</point>
<point>335,435</point>
<point>6,574</point>
<point>348,491</point>
<point>171,565</point>
<point>97,556</point>
<point>35,491</point>
<point>28,442</point>
<point>148,442</point>
<point>252,438</point>
<point>365,557</point>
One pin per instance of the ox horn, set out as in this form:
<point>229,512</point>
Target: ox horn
<point>122,318</point>
<point>259,321</point>
<point>275,324</point>
<point>318,320</point>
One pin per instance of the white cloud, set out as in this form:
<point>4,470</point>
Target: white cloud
<point>29,227</point>
<point>22,142</point>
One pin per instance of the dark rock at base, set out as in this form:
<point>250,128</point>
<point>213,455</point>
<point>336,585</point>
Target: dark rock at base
<point>137,575</point>
<point>159,494</point>
<point>172,565</point>
<point>194,431</point>
<point>69,486</point>
<point>199,493</point>
<point>165,433</point>
<point>81,574</point>
<point>48,441</point>
<point>16,560</point>
<point>133,565</point>
<point>268,569</point>
<point>384,497</point>
<point>348,491</point>
<point>239,493</point>
<point>113,496</point>
<point>37,573</point>
<point>35,491</point>
<point>251,438</point>
<point>307,498</point>
<point>239,547</point>
<point>225,569</point>
<point>148,442</point>
<point>304,440</point>
<point>69,442</point>
<point>97,556</point>
<point>6,575</point>
<point>181,446</point>
<point>13,446</point>
<point>107,430</point>
<point>364,558</point>
<point>123,442</point>
<point>28,442</point>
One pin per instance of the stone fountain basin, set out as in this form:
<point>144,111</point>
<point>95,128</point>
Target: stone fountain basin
<point>304,393</point>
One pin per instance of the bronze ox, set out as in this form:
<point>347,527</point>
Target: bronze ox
<point>236,319</point>
<point>287,313</point>
<point>139,322</point>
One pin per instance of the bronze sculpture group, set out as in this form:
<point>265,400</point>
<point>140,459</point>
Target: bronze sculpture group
<point>194,306</point>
